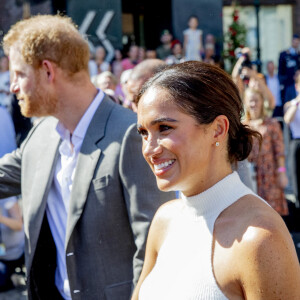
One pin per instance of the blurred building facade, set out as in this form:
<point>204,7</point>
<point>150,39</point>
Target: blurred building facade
<point>118,23</point>
<point>122,22</point>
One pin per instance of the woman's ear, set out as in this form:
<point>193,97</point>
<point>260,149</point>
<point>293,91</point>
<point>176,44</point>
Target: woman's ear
<point>221,127</point>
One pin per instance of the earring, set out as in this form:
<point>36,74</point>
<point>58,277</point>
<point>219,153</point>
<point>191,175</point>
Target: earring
<point>217,144</point>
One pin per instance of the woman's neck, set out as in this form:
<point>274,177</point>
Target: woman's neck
<point>256,122</point>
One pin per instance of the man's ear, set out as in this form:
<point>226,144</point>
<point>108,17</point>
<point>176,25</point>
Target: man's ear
<point>221,127</point>
<point>48,69</point>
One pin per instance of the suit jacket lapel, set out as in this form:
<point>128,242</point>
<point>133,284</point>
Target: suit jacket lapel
<point>86,164</point>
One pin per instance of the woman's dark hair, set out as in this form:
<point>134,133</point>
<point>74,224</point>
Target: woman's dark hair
<point>205,91</point>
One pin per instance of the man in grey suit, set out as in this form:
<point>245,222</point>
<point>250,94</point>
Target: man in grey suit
<point>88,196</point>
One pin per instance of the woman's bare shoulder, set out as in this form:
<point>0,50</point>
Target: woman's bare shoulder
<point>167,211</point>
<point>251,233</point>
<point>250,219</point>
<point>160,223</point>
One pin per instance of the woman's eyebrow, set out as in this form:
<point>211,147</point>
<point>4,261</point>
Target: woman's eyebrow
<point>161,120</point>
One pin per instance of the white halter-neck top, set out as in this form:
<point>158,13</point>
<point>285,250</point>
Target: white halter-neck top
<point>183,270</point>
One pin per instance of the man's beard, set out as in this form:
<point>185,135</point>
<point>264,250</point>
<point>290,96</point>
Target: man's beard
<point>39,104</point>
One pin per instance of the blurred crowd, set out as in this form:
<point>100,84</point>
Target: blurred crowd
<point>271,104</point>
<point>271,107</point>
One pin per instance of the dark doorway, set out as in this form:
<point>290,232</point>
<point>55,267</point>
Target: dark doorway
<point>59,6</point>
<point>146,20</point>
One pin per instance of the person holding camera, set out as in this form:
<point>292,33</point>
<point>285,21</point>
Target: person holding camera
<point>244,76</point>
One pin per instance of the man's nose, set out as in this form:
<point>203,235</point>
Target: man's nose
<point>14,87</point>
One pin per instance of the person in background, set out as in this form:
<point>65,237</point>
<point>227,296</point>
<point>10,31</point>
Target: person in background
<point>11,223</point>
<point>221,240</point>
<point>164,49</point>
<point>7,131</point>
<point>133,58</point>
<point>292,118</point>
<point>93,69</point>
<point>123,84</point>
<point>177,56</point>
<point>142,53</point>
<point>209,54</point>
<point>244,75</point>
<point>289,63</point>
<point>269,156</point>
<point>151,53</point>
<point>139,75</point>
<point>87,194</point>
<point>100,55</point>
<point>116,65</point>
<point>4,81</point>
<point>217,56</point>
<point>107,82</point>
<point>22,124</point>
<point>273,84</point>
<point>117,70</point>
<point>211,39</point>
<point>193,40</point>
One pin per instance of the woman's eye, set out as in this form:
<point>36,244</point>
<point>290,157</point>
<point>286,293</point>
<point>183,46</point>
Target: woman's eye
<point>142,132</point>
<point>164,128</point>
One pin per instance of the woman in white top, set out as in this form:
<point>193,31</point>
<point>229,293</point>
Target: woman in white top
<point>220,241</point>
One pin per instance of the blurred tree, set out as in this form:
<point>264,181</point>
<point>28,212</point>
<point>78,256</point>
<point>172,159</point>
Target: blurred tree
<point>235,39</point>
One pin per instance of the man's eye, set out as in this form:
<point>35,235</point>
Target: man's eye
<point>164,128</point>
<point>19,74</point>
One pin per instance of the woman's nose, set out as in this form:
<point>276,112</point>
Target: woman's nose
<point>152,147</point>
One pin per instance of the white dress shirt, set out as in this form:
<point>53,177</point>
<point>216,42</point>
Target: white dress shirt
<point>60,191</point>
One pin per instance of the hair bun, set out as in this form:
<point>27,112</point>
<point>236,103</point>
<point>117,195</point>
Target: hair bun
<point>241,146</point>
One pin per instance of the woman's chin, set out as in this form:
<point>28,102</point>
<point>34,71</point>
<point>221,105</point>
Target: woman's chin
<point>165,186</point>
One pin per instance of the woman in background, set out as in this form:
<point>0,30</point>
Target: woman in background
<point>269,157</point>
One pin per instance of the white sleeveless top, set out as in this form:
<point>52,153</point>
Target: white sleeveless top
<point>183,270</point>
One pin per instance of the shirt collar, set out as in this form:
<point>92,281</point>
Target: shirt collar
<point>82,126</point>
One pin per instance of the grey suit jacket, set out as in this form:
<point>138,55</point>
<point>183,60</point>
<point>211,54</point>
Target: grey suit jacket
<point>113,200</point>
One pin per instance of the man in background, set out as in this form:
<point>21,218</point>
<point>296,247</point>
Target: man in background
<point>289,63</point>
<point>273,84</point>
<point>164,49</point>
<point>139,75</point>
